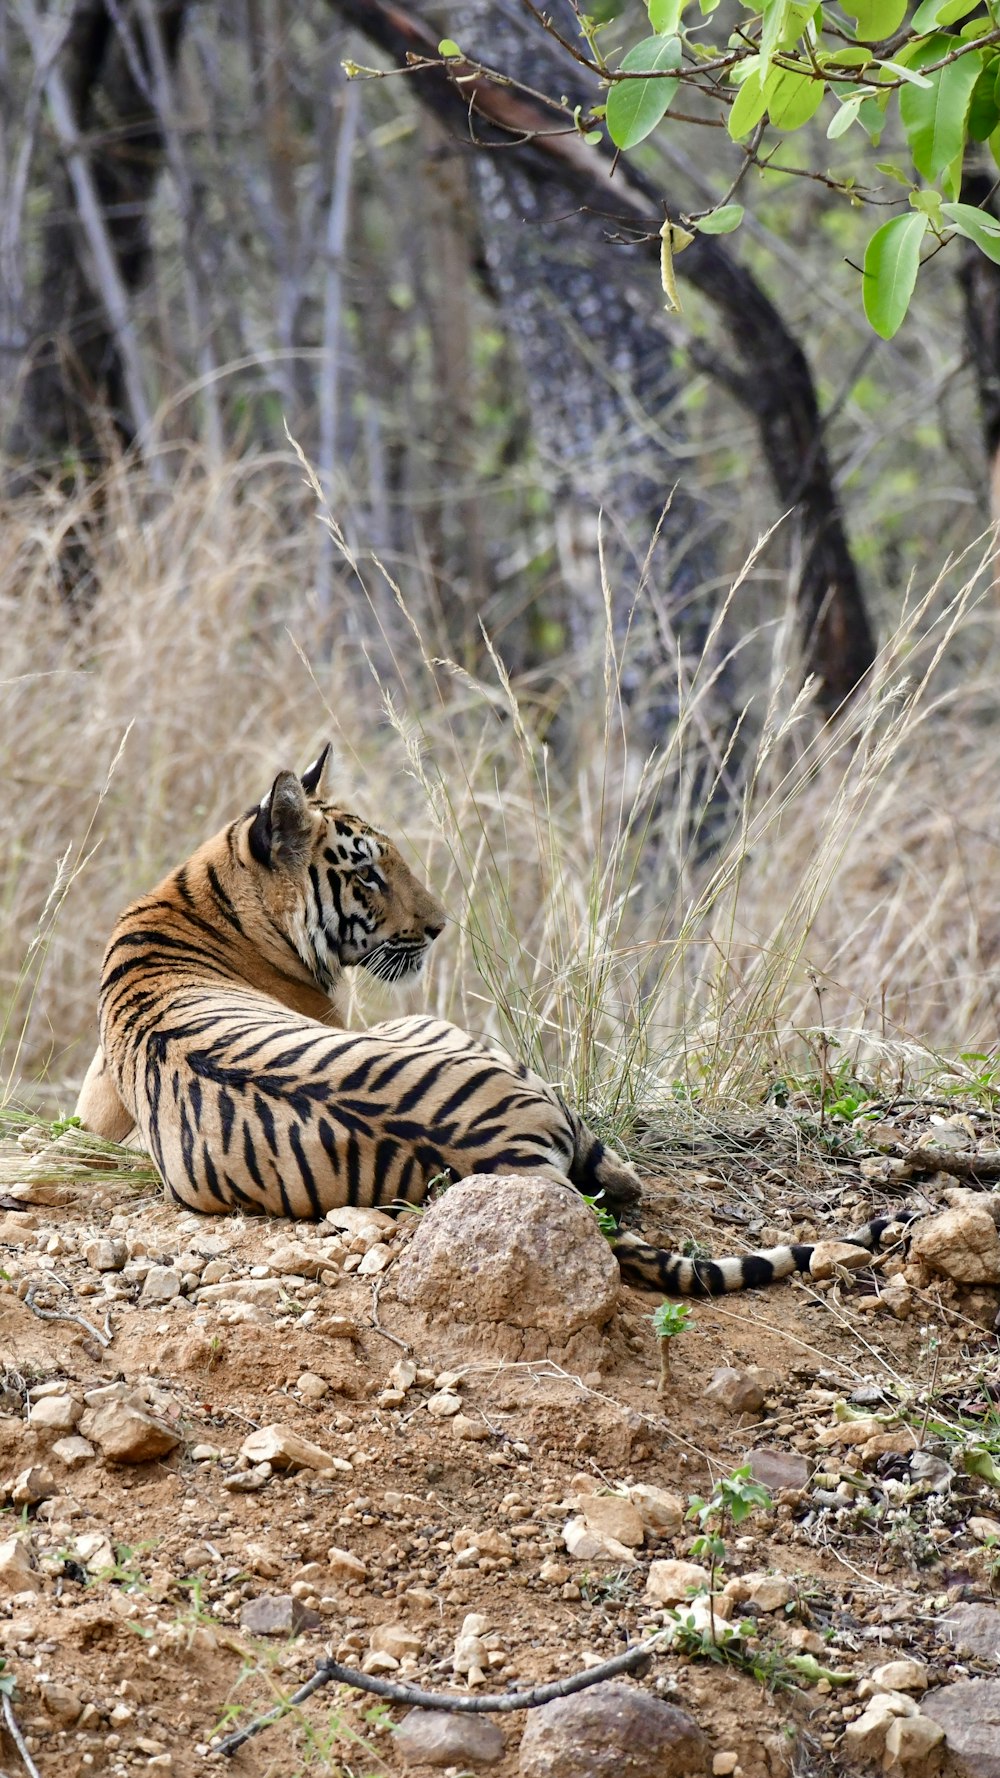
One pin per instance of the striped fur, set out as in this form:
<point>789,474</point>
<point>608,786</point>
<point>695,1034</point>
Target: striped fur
<point>220,1001</point>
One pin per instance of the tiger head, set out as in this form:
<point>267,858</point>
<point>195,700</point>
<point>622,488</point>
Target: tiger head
<point>338,888</point>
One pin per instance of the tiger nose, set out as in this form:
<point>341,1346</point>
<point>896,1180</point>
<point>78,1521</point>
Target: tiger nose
<point>434,928</point>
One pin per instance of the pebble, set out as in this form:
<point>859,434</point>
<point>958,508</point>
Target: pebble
<point>277,1614</point>
<point>161,1285</point>
<point>613,1515</point>
<point>284,1449</point>
<point>609,1729</point>
<point>395,1640</point>
<point>444,1404</point>
<point>17,1569</point>
<point>475,1431</point>
<point>735,1390</point>
<point>777,1470</point>
<point>311,1386</point>
<point>441,1738</point>
<point>58,1413</point>
<point>672,1582</point>
<point>344,1566</point>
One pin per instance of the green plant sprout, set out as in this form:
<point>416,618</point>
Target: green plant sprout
<point>669,1320</point>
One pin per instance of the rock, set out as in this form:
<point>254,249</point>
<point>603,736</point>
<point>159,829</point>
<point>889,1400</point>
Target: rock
<point>357,1221</point>
<point>105,1255</point>
<point>612,1515</point>
<point>588,1546</point>
<point>662,1513</point>
<point>865,1737</point>
<point>909,1740</point>
<point>768,1592</point>
<point>284,1449</point>
<point>73,1451</point>
<point>522,1254</point>
<point>297,1259</point>
<point>375,1260</point>
<point>975,1627</point>
<point>61,1701</point>
<point>609,1730</point>
<point>982,1526</point>
<point>344,1566</point>
<point>831,1257</point>
<point>723,1763</point>
<point>17,1570</point>
<point>312,1387</point>
<point>31,1486</point>
<point>93,1549</point>
<point>161,1284</point>
<point>126,1433</point>
<point>261,1292</point>
<point>474,1430</point>
<point>737,1391</point>
<point>672,1582</point>
<point>375,1661</point>
<point>895,1676</point>
<point>969,1713</point>
<point>58,1413</point>
<point>777,1470</point>
<point>396,1640</point>
<point>962,1244</point>
<point>277,1614</point>
<point>444,1404</point>
<point>438,1738</point>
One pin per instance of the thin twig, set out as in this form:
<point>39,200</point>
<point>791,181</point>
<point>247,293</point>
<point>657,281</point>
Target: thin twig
<point>377,1283</point>
<point>16,1736</point>
<point>634,1660</point>
<point>103,1339</point>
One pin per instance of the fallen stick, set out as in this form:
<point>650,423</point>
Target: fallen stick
<point>634,1660</point>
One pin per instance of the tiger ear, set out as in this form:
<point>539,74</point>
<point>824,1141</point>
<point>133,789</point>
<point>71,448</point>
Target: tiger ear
<point>281,832</point>
<point>312,777</point>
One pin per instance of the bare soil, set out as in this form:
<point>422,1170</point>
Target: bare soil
<point>150,1653</point>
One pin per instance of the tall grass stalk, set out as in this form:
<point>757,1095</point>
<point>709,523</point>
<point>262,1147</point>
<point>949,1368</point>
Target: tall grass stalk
<point>590,930</point>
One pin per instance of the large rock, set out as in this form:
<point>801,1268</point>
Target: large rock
<point>969,1713</point>
<point>441,1738</point>
<point>124,1432</point>
<point>17,1569</point>
<point>962,1244</point>
<point>610,1730</point>
<point>975,1627</point>
<point>280,1446</point>
<point>517,1264</point>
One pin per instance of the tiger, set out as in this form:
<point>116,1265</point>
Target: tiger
<point>225,1053</point>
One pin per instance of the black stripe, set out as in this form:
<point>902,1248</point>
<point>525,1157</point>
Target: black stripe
<point>295,1143</point>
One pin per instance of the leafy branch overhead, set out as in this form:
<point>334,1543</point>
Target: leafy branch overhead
<point>925,77</point>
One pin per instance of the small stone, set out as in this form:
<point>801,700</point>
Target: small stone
<point>73,1451</point>
<point>724,1763</point>
<point>395,1640</point>
<point>969,1713</point>
<point>377,1661</point>
<point>375,1260</point>
<point>898,1676</point>
<point>962,1244</point>
<point>161,1285</point>
<point>662,1513</point>
<point>58,1413</point>
<point>737,1391</point>
<point>105,1256</point>
<point>444,1404</point>
<point>975,1627</point>
<point>982,1526</point>
<point>31,1486</point>
<point>612,1515</point>
<point>311,1386</point>
<point>768,1592</point>
<point>439,1738</point>
<point>94,1551</point>
<point>910,1739</point>
<point>61,1701</point>
<point>284,1449</point>
<point>612,1729</point>
<point>777,1470</point>
<point>583,1545</point>
<point>17,1570</point>
<point>204,1453</point>
<point>126,1433</point>
<point>277,1614</point>
<point>831,1257</point>
<point>356,1221</point>
<point>865,1737</point>
<point>344,1566</point>
<point>474,1430</point>
<point>671,1582</point>
<point>403,1374</point>
<point>297,1259</point>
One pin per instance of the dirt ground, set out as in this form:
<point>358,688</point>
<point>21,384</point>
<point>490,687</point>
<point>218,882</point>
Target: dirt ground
<point>129,1645</point>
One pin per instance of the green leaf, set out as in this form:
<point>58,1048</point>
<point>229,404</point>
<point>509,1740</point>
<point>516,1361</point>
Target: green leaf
<point>876,18</point>
<point>892,260</point>
<point>934,117</point>
<point>448,48</point>
<point>933,13</point>
<point>984,112</point>
<point>772,29</point>
<point>792,98</point>
<point>722,221</point>
<point>928,203</point>
<point>899,71</point>
<point>982,1463</point>
<point>636,106</point>
<point>842,119</point>
<point>664,16</point>
<point>893,172</point>
<point>749,105</point>
<point>975,225</point>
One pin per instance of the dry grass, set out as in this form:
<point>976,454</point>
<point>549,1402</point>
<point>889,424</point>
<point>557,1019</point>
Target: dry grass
<point>859,892</point>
